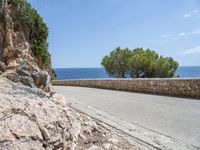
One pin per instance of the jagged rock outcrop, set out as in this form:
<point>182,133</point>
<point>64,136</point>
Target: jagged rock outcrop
<point>32,116</point>
<point>30,120</point>
<point>17,60</point>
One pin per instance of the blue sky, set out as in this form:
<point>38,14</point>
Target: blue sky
<point>81,32</point>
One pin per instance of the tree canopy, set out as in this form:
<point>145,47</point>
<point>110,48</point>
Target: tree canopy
<point>116,64</point>
<point>138,63</point>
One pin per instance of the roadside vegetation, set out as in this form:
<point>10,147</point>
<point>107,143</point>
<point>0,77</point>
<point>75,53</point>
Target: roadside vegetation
<point>138,63</point>
<point>36,30</point>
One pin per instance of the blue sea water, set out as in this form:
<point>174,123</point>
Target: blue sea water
<point>90,73</point>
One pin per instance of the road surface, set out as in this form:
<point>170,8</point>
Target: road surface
<point>177,118</point>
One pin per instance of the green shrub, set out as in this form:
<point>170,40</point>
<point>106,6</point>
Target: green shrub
<point>29,19</point>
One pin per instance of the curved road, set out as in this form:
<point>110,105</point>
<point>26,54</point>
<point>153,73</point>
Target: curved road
<point>175,117</point>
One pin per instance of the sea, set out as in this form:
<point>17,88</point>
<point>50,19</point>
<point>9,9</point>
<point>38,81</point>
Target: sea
<point>92,73</point>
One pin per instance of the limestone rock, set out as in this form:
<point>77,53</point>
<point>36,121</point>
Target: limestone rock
<point>41,78</point>
<point>11,75</point>
<point>30,119</point>
<point>17,59</point>
<point>31,115</point>
<point>27,80</point>
<point>2,67</point>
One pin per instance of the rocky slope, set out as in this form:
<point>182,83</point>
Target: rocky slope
<point>19,60</point>
<point>32,116</point>
<point>29,119</point>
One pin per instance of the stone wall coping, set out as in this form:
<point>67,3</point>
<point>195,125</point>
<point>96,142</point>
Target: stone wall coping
<point>150,79</point>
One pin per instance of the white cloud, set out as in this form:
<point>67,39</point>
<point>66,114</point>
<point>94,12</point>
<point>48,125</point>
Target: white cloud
<point>187,16</point>
<point>195,14</point>
<point>195,50</point>
<point>195,11</point>
<point>177,36</point>
<point>196,32</point>
<point>182,34</point>
<point>187,34</point>
<point>165,35</point>
<point>169,37</point>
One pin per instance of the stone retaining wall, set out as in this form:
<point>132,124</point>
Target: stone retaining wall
<point>183,87</point>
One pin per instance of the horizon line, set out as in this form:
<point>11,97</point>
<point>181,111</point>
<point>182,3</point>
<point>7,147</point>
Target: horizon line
<point>99,67</point>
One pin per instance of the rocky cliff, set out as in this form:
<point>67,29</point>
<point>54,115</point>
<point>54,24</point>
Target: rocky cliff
<point>23,45</point>
<point>32,116</point>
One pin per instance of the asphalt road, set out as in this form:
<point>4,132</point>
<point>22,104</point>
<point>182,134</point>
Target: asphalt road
<point>175,117</point>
